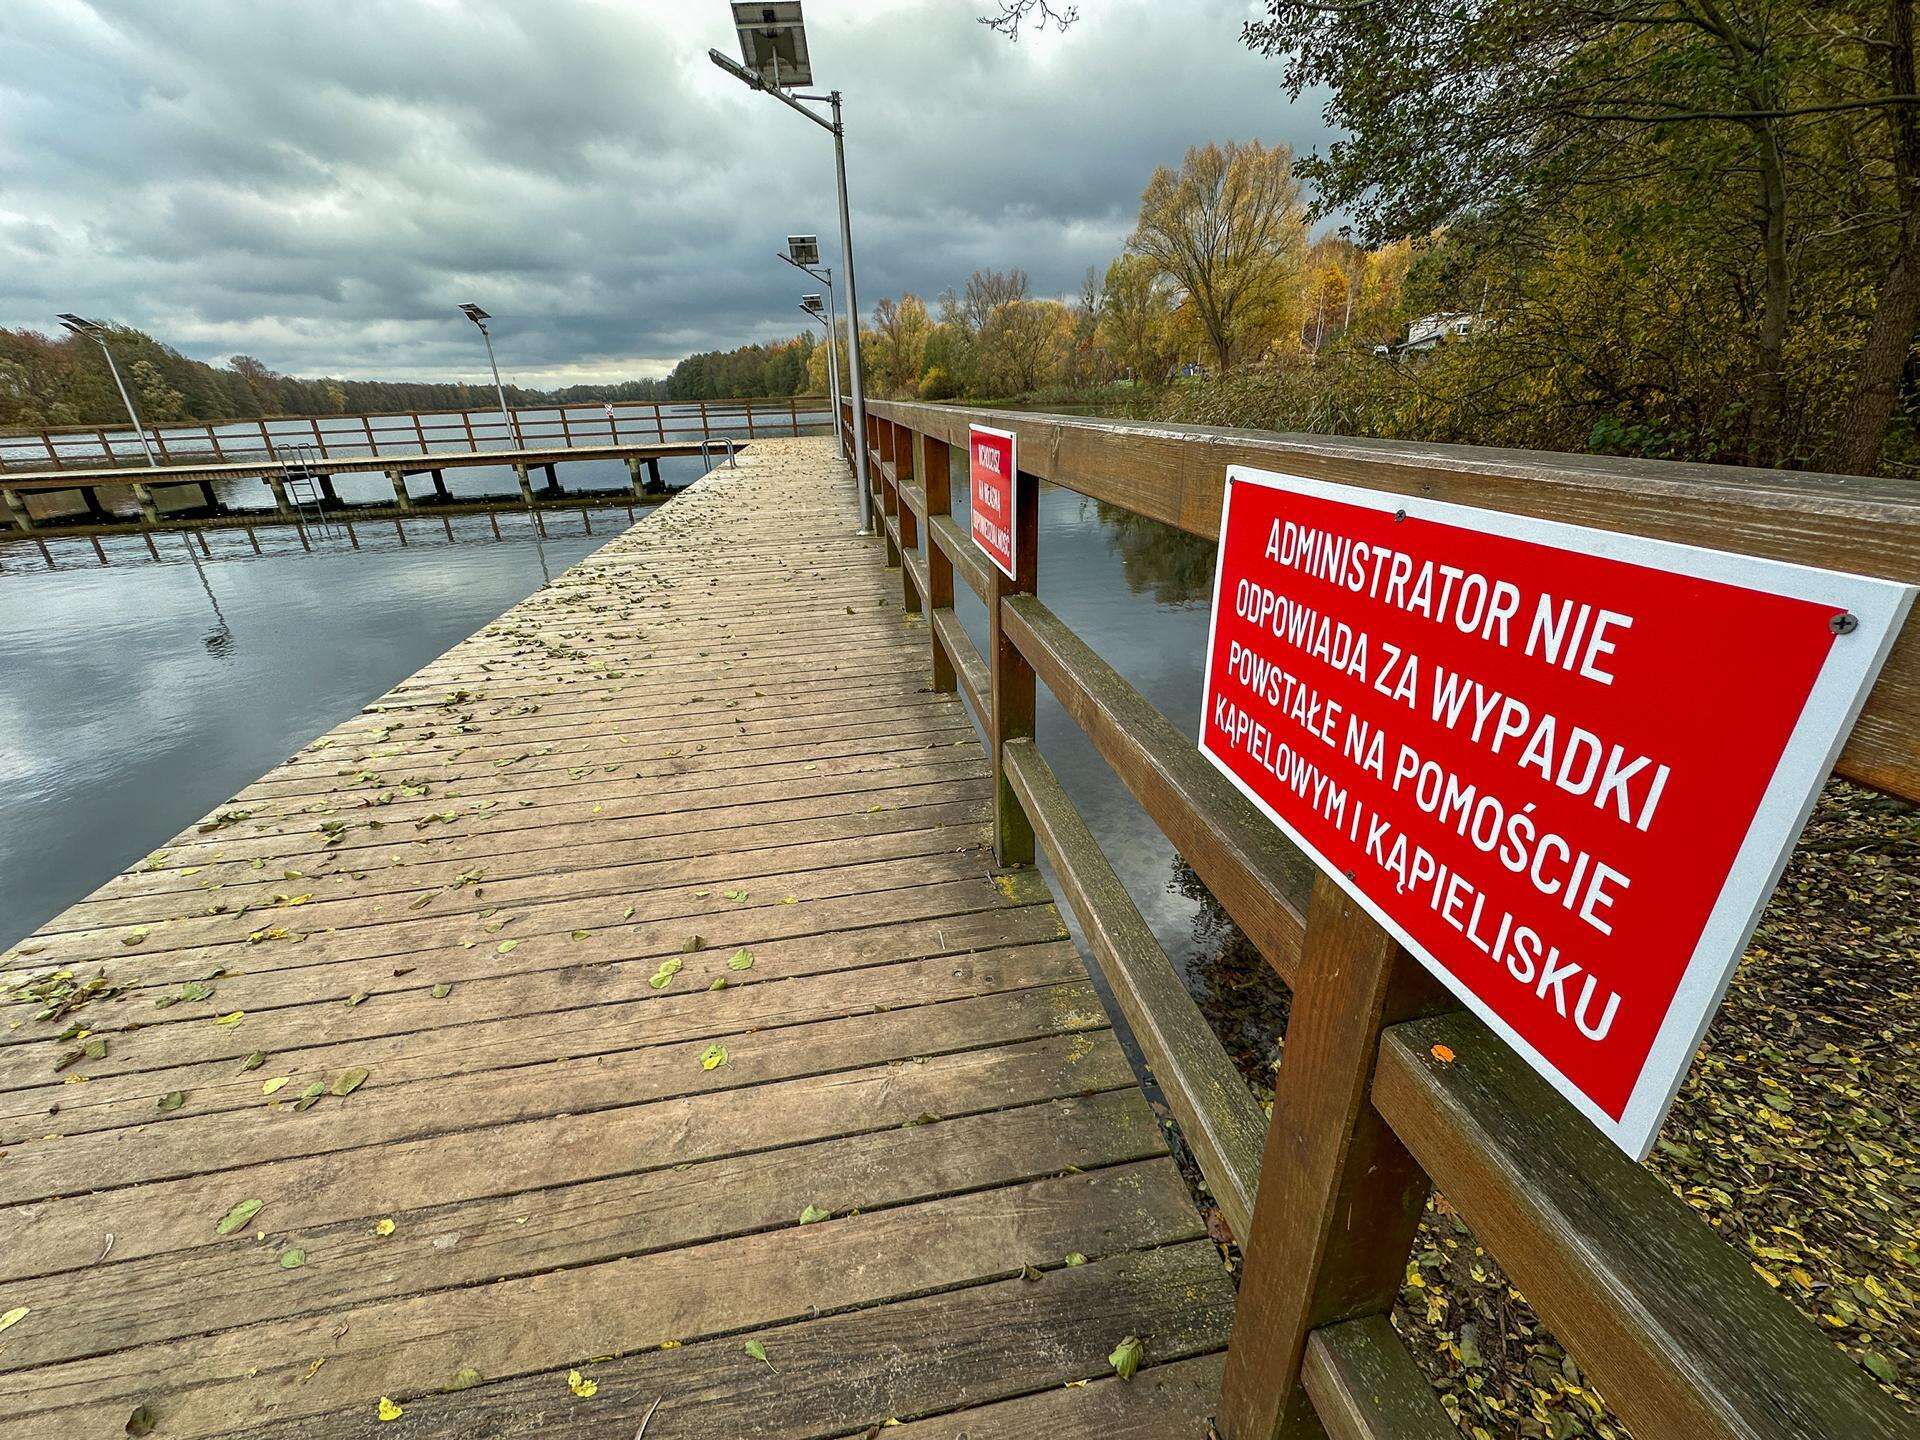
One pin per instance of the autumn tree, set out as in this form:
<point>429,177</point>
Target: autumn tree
<point>900,332</point>
<point>1228,228</point>
<point>1775,140</point>
<point>1135,317</point>
<point>1023,345</point>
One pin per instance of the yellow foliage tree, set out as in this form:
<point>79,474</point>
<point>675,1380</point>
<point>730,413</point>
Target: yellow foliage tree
<point>1228,228</point>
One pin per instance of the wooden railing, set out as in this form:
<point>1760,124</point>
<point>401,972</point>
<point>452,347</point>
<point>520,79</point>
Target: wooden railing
<point>1669,1322</point>
<point>410,432</point>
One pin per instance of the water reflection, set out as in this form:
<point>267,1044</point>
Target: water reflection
<point>1173,567</point>
<point>138,696</point>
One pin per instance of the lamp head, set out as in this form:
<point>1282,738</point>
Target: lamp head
<point>80,325</point>
<point>476,315</point>
<point>803,249</point>
<point>812,304</point>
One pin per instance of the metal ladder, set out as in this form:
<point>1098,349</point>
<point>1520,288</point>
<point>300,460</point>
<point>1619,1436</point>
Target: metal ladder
<point>706,447</point>
<point>298,469</point>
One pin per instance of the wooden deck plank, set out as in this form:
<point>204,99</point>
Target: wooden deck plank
<point>714,735</point>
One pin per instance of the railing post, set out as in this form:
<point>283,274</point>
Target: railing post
<point>793,413</point>
<point>904,441</point>
<point>1012,676</point>
<point>884,446</point>
<point>934,473</point>
<point>420,432</point>
<point>660,422</point>
<point>1339,1197</point>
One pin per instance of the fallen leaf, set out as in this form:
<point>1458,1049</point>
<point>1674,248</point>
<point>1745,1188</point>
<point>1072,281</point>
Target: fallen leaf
<point>814,1213</point>
<point>14,1316</point>
<point>1126,1357</point>
<point>231,1020</point>
<point>713,1057</point>
<point>1076,1258</point>
<point>141,1421</point>
<point>235,1218</point>
<point>1443,1054</point>
<point>253,1061</point>
<point>734,895</point>
<point>758,1352</point>
<point>383,1227</point>
<point>350,1080</point>
<point>693,943</point>
<point>465,1378</point>
<point>387,1410</point>
<point>311,1095</point>
<point>586,1389</point>
<point>507,947</point>
<point>719,983</point>
<point>292,1259</point>
<point>269,1086</point>
<point>172,1100</point>
<point>441,991</point>
<point>358,997</point>
<point>740,960</point>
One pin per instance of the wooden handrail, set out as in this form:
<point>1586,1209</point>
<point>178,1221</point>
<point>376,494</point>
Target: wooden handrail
<point>1176,474</point>
<point>1682,1337</point>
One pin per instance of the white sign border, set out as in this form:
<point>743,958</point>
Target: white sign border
<point>1013,496</point>
<point>1879,606</point>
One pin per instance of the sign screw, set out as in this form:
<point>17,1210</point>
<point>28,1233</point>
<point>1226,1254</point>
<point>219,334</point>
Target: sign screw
<point>1398,516</point>
<point>1845,623</point>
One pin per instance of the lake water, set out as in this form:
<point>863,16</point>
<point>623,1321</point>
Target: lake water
<point>137,697</point>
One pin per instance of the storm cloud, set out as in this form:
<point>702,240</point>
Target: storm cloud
<point>319,185</point>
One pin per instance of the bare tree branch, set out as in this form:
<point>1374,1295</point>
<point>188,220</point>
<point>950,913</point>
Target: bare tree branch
<point>1014,13</point>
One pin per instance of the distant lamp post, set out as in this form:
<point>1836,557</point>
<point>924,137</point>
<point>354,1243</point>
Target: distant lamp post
<point>480,317</point>
<point>811,306</point>
<point>803,253</point>
<point>773,42</point>
<point>95,331</point>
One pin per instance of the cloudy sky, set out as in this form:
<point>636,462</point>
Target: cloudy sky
<point>319,182</point>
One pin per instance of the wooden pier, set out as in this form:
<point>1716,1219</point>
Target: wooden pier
<point>280,474</point>
<point>626,1010</point>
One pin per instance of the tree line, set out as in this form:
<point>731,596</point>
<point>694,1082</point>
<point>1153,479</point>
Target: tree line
<point>1674,229</point>
<point>48,381</point>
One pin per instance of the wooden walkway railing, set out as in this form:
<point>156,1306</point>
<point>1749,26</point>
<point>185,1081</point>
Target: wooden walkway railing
<point>1669,1323</point>
<point>411,431</point>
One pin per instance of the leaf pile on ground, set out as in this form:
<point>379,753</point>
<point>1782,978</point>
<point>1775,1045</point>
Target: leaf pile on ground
<point>1794,1137</point>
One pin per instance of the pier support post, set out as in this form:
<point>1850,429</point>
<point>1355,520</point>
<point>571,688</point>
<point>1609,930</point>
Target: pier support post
<point>17,510</point>
<point>654,482</point>
<point>143,497</point>
<point>633,475</point>
<point>553,478</point>
<point>211,500</point>
<point>440,485</point>
<point>400,496</point>
<point>281,504</point>
<point>90,497</point>
<point>526,485</point>
<point>327,494</point>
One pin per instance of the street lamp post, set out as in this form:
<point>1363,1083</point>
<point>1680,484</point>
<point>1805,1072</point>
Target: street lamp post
<point>810,306</point>
<point>773,41</point>
<point>480,317</point>
<point>803,253</point>
<point>95,331</point>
